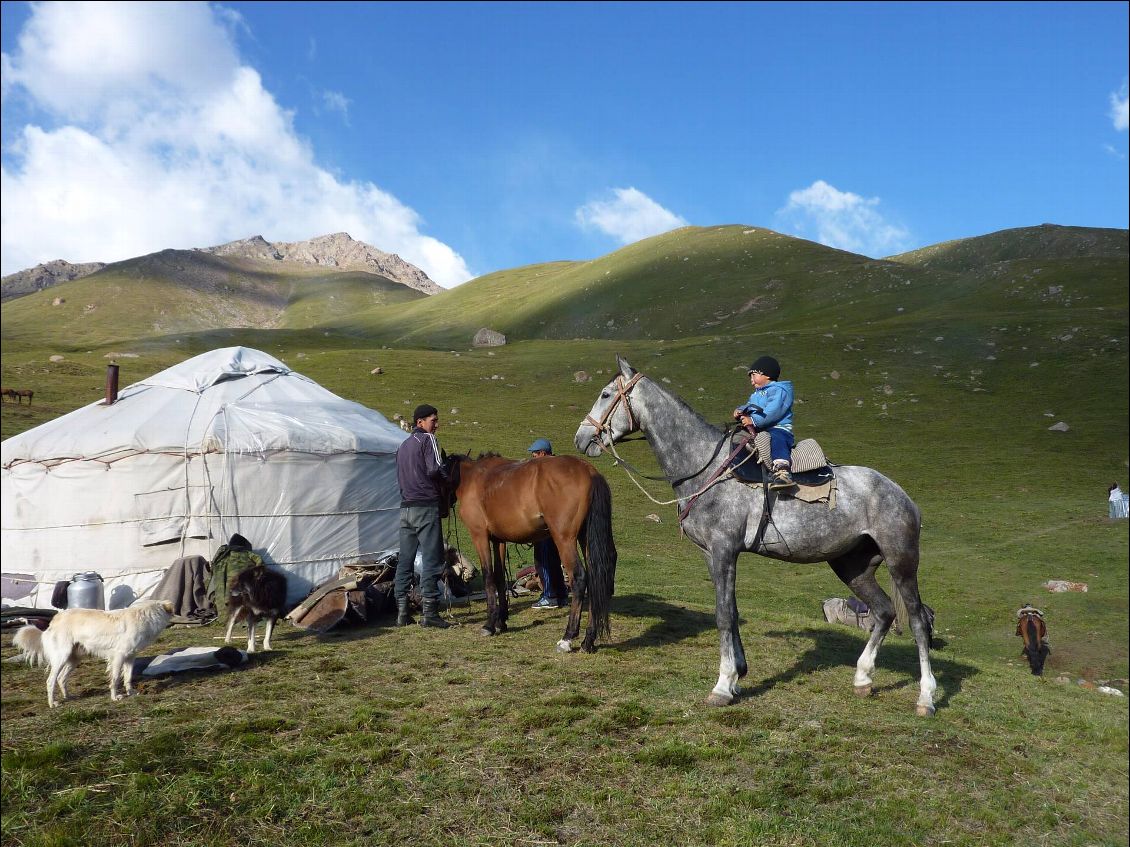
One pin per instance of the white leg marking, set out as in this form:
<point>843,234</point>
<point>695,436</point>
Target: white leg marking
<point>866,664</point>
<point>927,687</point>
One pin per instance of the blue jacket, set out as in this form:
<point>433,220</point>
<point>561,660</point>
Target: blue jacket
<point>419,470</point>
<point>776,403</point>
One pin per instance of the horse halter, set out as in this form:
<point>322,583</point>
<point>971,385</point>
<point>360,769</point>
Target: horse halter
<point>623,387</point>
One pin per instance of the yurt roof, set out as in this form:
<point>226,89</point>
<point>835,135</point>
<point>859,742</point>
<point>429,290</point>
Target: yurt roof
<point>233,399</point>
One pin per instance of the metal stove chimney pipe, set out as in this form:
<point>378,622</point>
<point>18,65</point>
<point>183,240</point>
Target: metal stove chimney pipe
<point>111,384</point>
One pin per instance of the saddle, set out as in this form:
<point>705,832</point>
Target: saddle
<point>810,470</point>
<point>1022,616</point>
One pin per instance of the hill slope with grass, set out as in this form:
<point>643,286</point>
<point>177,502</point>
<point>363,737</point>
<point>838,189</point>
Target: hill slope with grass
<point>734,279</point>
<point>1047,242</point>
<point>175,292</point>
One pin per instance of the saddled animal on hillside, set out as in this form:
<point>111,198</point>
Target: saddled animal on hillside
<point>256,593</point>
<point>560,497</point>
<point>874,522</point>
<point>1031,627</point>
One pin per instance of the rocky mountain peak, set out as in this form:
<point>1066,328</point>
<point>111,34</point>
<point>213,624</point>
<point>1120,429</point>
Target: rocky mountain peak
<point>338,250</point>
<point>43,276</point>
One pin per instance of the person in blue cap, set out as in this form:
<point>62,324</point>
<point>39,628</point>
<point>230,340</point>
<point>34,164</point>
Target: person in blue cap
<point>547,560</point>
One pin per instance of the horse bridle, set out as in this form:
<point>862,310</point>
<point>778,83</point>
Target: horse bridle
<point>623,388</point>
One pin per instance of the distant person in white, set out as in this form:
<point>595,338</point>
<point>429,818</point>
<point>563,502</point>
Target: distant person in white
<point>1118,506</point>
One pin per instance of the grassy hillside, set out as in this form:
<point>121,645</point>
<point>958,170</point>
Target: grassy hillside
<point>687,282</point>
<point>175,292</point>
<point>946,380</point>
<point>1044,242</point>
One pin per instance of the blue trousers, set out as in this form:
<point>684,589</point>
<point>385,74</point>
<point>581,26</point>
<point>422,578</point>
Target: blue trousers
<point>548,563</point>
<point>419,531</point>
<point>781,443</point>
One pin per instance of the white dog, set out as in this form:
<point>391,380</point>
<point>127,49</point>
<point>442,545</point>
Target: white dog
<point>115,636</point>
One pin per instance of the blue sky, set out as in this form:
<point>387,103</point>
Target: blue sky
<point>472,137</point>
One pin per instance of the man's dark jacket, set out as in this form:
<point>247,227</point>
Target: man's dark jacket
<point>419,470</point>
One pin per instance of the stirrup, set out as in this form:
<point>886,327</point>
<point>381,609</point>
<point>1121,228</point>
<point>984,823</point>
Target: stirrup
<point>781,479</point>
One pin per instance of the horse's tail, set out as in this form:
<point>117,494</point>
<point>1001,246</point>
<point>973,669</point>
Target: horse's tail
<point>1033,645</point>
<point>600,555</point>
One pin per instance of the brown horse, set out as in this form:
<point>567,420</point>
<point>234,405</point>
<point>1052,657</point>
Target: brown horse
<point>21,393</point>
<point>1031,627</point>
<point>559,497</point>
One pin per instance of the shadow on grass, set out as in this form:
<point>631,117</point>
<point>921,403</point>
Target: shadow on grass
<point>675,622</point>
<point>832,649</point>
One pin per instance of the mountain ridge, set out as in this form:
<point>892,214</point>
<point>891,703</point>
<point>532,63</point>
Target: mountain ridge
<point>44,275</point>
<point>693,281</point>
<point>338,251</point>
<point>332,252</point>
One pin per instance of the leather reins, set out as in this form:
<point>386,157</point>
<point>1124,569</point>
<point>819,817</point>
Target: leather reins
<point>623,389</point>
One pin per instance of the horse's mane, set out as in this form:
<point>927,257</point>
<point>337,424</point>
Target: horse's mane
<point>466,457</point>
<point>685,405</point>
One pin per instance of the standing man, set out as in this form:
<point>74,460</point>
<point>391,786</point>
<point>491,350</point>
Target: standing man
<point>420,472</point>
<point>547,560</point>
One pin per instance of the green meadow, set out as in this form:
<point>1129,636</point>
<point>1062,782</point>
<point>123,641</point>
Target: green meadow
<point>944,369</point>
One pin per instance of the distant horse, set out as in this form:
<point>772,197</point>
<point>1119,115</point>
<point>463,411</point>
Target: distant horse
<point>1031,627</point>
<point>873,521</point>
<point>7,394</point>
<point>21,393</point>
<point>559,497</point>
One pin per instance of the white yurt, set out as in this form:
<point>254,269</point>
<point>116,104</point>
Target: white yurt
<point>231,441</point>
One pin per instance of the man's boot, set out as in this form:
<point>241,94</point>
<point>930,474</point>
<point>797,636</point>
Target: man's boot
<point>431,616</point>
<point>402,616</point>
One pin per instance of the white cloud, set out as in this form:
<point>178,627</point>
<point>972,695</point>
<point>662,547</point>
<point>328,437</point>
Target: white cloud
<point>155,134</point>
<point>1119,110</point>
<point>628,216</point>
<point>842,220</point>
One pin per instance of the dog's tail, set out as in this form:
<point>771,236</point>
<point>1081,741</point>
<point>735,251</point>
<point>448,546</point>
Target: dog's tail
<point>29,640</point>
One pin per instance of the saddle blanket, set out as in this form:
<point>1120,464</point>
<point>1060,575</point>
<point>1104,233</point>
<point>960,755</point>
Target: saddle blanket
<point>807,455</point>
<point>813,486</point>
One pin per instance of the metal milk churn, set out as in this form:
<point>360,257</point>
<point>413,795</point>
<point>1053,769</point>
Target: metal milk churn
<point>86,591</point>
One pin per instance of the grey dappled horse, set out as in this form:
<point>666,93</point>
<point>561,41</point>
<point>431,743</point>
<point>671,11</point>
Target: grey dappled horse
<point>874,521</point>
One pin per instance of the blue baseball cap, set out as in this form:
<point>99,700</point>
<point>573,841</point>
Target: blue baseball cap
<point>540,444</point>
